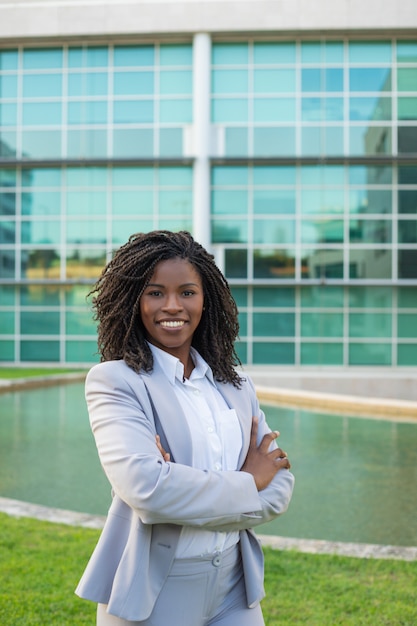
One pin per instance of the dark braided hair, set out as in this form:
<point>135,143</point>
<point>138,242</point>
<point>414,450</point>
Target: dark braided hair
<point>116,296</point>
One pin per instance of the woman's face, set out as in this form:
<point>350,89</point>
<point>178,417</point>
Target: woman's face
<point>171,306</point>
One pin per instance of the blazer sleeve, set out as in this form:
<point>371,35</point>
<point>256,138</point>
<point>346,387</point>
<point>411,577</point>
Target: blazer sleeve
<point>160,492</point>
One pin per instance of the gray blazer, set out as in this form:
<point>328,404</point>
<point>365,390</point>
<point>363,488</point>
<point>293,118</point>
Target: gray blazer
<point>153,499</point>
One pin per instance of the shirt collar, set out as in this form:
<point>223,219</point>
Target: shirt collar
<point>174,369</point>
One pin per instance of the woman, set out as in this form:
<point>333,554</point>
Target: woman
<point>192,463</point>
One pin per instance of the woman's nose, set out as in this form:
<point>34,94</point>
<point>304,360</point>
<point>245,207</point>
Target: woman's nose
<point>172,303</point>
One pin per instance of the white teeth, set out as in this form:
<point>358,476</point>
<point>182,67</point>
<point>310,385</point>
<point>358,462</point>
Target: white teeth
<point>175,324</point>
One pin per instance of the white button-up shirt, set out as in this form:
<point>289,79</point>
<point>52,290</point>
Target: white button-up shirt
<point>216,438</point>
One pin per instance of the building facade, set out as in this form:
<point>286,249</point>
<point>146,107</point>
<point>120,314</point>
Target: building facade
<point>284,138</point>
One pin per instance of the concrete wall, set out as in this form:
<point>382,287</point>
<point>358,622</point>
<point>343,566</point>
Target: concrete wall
<point>25,19</point>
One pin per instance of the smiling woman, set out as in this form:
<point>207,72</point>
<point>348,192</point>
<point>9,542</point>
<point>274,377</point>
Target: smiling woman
<point>181,437</point>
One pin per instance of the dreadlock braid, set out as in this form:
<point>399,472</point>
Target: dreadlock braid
<point>116,303</point>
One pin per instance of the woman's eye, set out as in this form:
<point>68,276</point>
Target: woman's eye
<point>188,293</point>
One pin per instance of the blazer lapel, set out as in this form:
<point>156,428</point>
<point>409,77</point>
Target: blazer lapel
<point>169,417</point>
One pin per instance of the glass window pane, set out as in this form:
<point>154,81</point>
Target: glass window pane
<point>236,140</point>
<point>7,347</point>
<point>38,58</point>
<point>321,263</point>
<point>374,263</point>
<point>122,229</point>
<point>87,84</point>
<point>407,108</point>
<point>320,324</point>
<point>81,352</point>
<point>370,140</point>
<point>370,324</point>
<point>228,202</point>
<point>230,231</point>
<point>407,264</point>
<point>322,52</point>
<point>274,110</point>
<point>370,174</point>
<point>133,111</point>
<point>273,324</point>
<point>274,141</point>
<point>175,202</point>
<point>407,79</point>
<point>8,114</point>
<point>326,140</point>
<point>322,231</point>
<point>8,143</point>
<point>42,114</point>
<point>272,175</point>
<point>316,201</point>
<point>229,175</point>
<point>6,322</point>
<point>240,295</point>
<point>370,79</point>
<point>280,231</point>
<point>87,112</point>
<point>7,232</point>
<point>175,54</point>
<point>322,297</point>
<point>374,108</point>
<point>273,53</point>
<point>370,354</point>
<point>8,86</point>
<point>175,82</point>
<point>406,325</point>
<point>236,263</point>
<point>86,177</point>
<point>133,83</point>
<point>229,110</point>
<point>407,139</point>
<point>86,203</point>
<point>133,143</point>
<point>79,322</point>
<point>407,354</point>
<point>41,263</point>
<point>407,51</point>
<point>370,201</point>
<point>175,176</point>
<point>41,231</point>
<point>369,51</point>
<point>86,231</point>
<point>42,85</point>
<point>274,296</point>
<point>170,142</point>
<point>174,223</point>
<point>273,263</point>
<point>7,203</point>
<point>273,353</point>
<point>40,295</point>
<point>176,111</point>
<point>407,297</point>
<point>96,56</point>
<point>370,297</point>
<point>39,323</point>
<point>274,201</point>
<point>44,351</point>
<point>86,143</point>
<point>229,81</point>
<point>133,176</point>
<point>370,231</point>
<point>321,353</point>
<point>407,231</point>
<point>84,262</point>
<point>130,56</point>
<point>230,54</point>
<point>7,295</point>
<point>274,81</point>
<point>41,144</point>
<point>133,202</point>
<point>8,59</point>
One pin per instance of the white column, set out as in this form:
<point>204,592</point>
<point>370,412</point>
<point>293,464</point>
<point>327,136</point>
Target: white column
<point>201,138</point>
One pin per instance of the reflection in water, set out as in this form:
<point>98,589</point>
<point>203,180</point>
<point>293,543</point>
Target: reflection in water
<point>355,478</point>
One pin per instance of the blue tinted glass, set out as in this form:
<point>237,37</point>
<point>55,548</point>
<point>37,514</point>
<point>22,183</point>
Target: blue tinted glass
<point>274,110</point>
<point>36,58</point>
<point>176,110</point>
<point>175,176</point>
<point>361,143</point>
<point>133,143</point>
<point>316,201</point>
<point>271,175</point>
<point>8,86</point>
<point>175,82</point>
<point>8,178</point>
<point>236,141</point>
<point>274,81</point>
<point>41,231</point>
<point>133,202</point>
<point>170,142</point>
<point>8,114</point>
<point>229,110</point>
<point>311,52</point>
<point>89,112</point>
<point>312,80</point>
<point>8,144</point>
<point>369,51</point>
<point>133,176</point>
<point>274,201</point>
<point>130,56</point>
<point>41,178</point>
<point>132,111</point>
<point>42,113</point>
<point>86,177</point>
<point>87,84</point>
<point>229,175</point>
<point>269,53</point>
<point>322,109</point>
<point>370,79</point>
<point>229,231</point>
<point>8,59</point>
<point>132,83</point>
<point>373,174</point>
<point>334,79</point>
<point>230,54</point>
<point>86,202</point>
<point>322,52</point>
<point>274,231</point>
<point>322,175</point>
<point>88,57</point>
<point>229,202</point>
<point>175,54</point>
<point>374,108</point>
<point>175,202</point>
<point>407,51</point>
<point>229,81</point>
<point>274,141</point>
<point>42,85</point>
<point>41,203</point>
<point>86,143</point>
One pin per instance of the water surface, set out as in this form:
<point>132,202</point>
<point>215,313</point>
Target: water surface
<point>356,478</point>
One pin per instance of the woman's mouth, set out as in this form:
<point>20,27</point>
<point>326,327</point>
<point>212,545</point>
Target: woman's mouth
<point>172,324</point>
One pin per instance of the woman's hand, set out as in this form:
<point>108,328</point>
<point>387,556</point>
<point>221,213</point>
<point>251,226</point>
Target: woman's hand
<point>165,455</point>
<point>262,463</point>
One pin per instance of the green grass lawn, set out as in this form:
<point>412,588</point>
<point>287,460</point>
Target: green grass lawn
<point>24,372</point>
<point>41,562</point>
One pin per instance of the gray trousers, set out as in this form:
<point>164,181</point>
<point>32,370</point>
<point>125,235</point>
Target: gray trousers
<point>208,591</point>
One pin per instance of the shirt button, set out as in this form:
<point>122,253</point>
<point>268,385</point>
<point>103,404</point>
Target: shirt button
<point>210,429</point>
<point>217,466</point>
<point>196,392</point>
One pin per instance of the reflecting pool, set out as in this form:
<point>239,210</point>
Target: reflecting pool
<point>356,478</point>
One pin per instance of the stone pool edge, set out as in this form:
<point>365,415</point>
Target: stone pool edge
<point>18,508</point>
